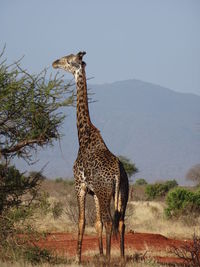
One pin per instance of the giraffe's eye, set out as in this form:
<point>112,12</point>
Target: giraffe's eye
<point>75,64</point>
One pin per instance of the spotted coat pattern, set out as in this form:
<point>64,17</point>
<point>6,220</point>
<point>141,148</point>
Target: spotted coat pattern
<point>96,170</point>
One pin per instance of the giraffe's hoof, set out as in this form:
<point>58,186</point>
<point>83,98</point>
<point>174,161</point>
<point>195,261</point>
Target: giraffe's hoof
<point>107,261</point>
<point>122,262</point>
<point>100,258</point>
<point>77,260</point>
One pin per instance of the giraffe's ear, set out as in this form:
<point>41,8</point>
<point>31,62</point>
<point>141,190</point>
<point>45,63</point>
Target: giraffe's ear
<point>83,63</point>
<point>81,54</point>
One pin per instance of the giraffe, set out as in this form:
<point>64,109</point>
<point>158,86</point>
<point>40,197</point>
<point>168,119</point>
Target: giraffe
<point>96,170</point>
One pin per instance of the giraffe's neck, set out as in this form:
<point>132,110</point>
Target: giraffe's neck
<point>82,111</point>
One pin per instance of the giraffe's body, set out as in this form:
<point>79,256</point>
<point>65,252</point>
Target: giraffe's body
<point>96,169</point>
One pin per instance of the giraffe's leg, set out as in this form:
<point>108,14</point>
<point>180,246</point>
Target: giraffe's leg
<point>108,226</point>
<point>107,219</point>
<point>81,222</point>
<point>121,228</point>
<point>121,233</point>
<point>99,224</point>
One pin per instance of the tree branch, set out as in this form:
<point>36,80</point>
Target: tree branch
<point>21,145</point>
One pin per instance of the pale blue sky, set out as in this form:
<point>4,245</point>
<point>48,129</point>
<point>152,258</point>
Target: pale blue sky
<point>152,40</point>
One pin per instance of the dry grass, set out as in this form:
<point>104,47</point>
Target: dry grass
<point>142,216</point>
<point>47,223</point>
<point>149,263</point>
<point>132,259</point>
<point>148,216</point>
<point>22,264</point>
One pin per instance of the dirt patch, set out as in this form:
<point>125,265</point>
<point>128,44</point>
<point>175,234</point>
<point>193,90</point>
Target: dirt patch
<point>154,244</point>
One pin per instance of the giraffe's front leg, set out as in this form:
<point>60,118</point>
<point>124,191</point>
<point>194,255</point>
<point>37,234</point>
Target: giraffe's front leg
<point>99,225</point>
<point>81,222</point>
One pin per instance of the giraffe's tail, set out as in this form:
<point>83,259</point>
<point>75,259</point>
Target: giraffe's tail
<point>117,213</point>
<point>116,219</point>
<point>120,198</point>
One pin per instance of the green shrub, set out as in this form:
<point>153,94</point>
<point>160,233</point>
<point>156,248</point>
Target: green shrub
<point>43,205</point>
<point>68,182</point>
<point>59,180</point>
<point>57,209</point>
<point>140,181</point>
<point>15,185</point>
<point>171,184</point>
<point>197,197</point>
<point>129,166</point>
<point>159,189</point>
<point>156,190</point>
<point>20,199</point>
<point>182,201</point>
<point>36,255</point>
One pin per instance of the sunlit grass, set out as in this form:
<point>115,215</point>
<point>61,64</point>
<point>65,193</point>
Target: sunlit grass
<point>148,217</point>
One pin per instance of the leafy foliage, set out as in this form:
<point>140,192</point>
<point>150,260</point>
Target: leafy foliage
<point>19,199</point>
<point>29,115</point>
<point>65,182</point>
<point>29,118</point>
<point>140,181</point>
<point>21,203</point>
<point>14,185</point>
<point>36,255</point>
<point>159,189</point>
<point>181,201</point>
<point>129,167</point>
<point>57,209</point>
<point>194,174</point>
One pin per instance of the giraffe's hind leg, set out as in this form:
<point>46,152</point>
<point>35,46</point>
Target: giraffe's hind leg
<point>99,225</point>
<point>121,233</point>
<point>121,228</point>
<point>107,220</point>
<point>122,203</point>
<point>81,194</point>
<point>108,226</point>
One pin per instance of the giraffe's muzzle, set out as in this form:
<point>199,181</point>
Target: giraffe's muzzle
<point>55,64</point>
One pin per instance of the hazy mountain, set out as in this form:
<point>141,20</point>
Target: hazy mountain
<point>155,127</point>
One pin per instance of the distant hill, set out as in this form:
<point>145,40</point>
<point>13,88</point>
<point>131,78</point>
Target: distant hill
<point>155,127</point>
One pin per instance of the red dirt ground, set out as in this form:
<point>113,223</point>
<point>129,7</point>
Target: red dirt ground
<point>65,243</point>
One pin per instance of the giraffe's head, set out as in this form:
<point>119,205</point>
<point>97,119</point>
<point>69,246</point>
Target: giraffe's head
<point>70,63</point>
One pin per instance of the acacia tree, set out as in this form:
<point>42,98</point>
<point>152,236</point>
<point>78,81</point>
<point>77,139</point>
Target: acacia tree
<point>29,110</point>
<point>129,166</point>
<point>194,174</point>
<point>30,118</point>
